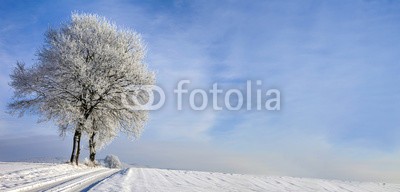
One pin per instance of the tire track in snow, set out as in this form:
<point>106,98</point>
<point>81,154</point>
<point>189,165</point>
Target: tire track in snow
<point>36,177</point>
<point>120,181</point>
<point>53,177</point>
<point>101,180</point>
<point>81,182</point>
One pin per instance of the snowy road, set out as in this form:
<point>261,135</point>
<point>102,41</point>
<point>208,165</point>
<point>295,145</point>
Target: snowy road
<point>64,177</point>
<point>49,177</point>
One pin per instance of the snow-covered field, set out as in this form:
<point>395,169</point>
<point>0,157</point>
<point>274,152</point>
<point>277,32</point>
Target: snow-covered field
<point>18,176</point>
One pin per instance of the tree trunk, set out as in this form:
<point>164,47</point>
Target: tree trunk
<point>73,154</point>
<point>78,149</point>
<point>92,148</point>
<point>77,139</point>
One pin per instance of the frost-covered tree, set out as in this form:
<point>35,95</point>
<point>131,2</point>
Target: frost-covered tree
<point>82,74</point>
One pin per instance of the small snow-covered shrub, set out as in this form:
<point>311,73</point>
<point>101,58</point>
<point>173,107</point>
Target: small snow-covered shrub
<point>112,161</point>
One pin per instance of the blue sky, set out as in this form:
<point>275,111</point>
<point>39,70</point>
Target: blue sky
<point>336,64</point>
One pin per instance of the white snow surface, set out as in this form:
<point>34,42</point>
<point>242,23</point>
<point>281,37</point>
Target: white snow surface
<point>20,176</point>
